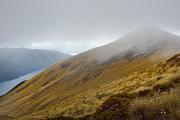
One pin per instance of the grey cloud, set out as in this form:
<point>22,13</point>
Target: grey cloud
<point>76,25</point>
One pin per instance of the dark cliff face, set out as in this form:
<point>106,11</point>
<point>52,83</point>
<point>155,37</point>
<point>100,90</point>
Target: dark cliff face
<point>15,62</point>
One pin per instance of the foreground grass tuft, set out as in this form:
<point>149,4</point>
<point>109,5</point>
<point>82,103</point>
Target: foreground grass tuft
<point>159,107</point>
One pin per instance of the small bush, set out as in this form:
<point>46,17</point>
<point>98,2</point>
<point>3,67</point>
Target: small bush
<point>159,78</point>
<point>144,92</point>
<point>114,108</point>
<point>163,87</point>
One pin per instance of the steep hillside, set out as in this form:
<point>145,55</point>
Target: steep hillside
<point>15,62</point>
<point>79,85</point>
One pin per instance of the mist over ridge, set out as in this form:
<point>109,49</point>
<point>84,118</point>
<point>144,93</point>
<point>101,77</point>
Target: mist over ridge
<point>144,40</point>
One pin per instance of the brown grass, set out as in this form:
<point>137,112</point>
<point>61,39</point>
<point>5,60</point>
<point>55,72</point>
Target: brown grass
<point>165,106</point>
<point>79,88</point>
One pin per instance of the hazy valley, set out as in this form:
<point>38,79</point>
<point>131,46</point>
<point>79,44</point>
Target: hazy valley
<point>17,62</point>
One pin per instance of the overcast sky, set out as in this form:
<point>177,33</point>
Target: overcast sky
<point>73,26</point>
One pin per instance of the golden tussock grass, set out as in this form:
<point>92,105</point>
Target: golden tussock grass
<point>165,106</point>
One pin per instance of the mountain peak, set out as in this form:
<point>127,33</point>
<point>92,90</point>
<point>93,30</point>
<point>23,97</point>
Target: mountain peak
<point>152,32</point>
<point>141,41</point>
<point>149,28</point>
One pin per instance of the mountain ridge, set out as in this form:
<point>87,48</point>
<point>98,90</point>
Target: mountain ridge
<point>142,40</point>
<point>17,62</point>
<point>73,86</point>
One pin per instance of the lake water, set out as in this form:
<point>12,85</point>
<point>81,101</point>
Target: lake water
<point>8,85</point>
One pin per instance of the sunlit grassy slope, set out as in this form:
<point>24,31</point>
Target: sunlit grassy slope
<point>151,92</point>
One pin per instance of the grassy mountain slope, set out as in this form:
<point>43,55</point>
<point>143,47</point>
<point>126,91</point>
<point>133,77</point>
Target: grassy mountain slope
<point>134,96</point>
<point>80,85</point>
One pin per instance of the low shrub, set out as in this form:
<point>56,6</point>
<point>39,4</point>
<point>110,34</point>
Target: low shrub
<point>163,87</point>
<point>114,108</point>
<point>145,92</point>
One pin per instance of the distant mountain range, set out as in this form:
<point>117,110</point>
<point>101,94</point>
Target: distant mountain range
<point>100,84</point>
<point>16,62</point>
